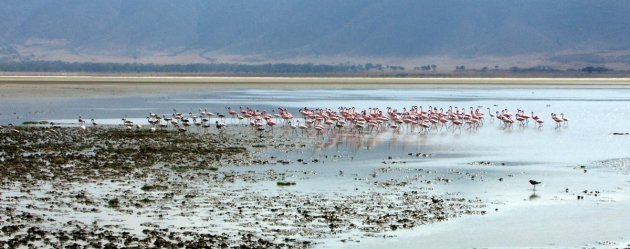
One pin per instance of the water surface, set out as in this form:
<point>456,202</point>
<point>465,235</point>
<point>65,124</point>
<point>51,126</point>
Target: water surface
<point>549,217</point>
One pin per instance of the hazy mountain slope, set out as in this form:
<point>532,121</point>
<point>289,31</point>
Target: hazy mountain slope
<point>375,28</point>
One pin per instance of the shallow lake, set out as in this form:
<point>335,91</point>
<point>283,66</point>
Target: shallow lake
<point>549,217</point>
<point>593,113</point>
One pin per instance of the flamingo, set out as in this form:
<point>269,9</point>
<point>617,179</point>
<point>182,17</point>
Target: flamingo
<point>127,122</point>
<point>534,117</point>
<point>395,128</point>
<point>205,127</point>
<point>180,129</point>
<point>162,125</point>
<point>557,120</point>
<point>564,119</point>
<point>520,119</point>
<point>508,122</point>
<point>270,123</point>
<point>457,123</point>
<point>334,120</point>
<point>302,127</point>
<point>426,126</point>
<point>540,122</point>
<point>319,128</point>
<point>293,127</point>
<point>219,125</point>
<point>339,124</point>
<point>359,126</point>
<point>221,116</point>
<point>231,112</point>
<point>490,114</point>
<point>443,122</point>
<point>166,119</point>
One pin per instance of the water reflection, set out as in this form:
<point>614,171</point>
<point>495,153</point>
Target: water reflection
<point>351,141</point>
<point>534,196</point>
<point>594,113</point>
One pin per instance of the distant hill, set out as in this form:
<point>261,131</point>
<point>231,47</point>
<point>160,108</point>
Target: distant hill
<point>565,33</point>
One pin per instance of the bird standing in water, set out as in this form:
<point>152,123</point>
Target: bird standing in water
<point>534,183</point>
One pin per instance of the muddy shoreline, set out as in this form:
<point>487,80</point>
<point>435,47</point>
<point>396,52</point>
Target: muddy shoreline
<point>43,88</point>
<point>73,187</point>
<point>274,80</point>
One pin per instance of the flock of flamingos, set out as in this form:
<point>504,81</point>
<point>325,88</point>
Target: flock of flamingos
<point>346,119</point>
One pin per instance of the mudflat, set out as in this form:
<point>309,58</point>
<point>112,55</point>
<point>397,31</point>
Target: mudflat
<point>12,87</point>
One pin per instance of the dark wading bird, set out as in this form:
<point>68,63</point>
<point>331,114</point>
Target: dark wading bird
<point>534,183</point>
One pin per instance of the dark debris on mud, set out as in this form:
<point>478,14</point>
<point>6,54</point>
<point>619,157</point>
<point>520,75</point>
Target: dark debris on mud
<point>36,153</point>
<point>157,176</point>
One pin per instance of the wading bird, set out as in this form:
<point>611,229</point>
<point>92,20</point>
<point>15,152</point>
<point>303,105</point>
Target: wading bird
<point>534,183</point>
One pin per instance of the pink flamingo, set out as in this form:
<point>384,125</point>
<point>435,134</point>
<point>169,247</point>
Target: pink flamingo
<point>520,119</point>
<point>231,112</point>
<point>319,128</point>
<point>270,123</point>
<point>540,122</point>
<point>457,123</point>
<point>557,120</point>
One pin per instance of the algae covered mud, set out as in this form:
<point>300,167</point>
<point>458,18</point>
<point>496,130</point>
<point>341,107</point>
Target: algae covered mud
<point>118,183</point>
